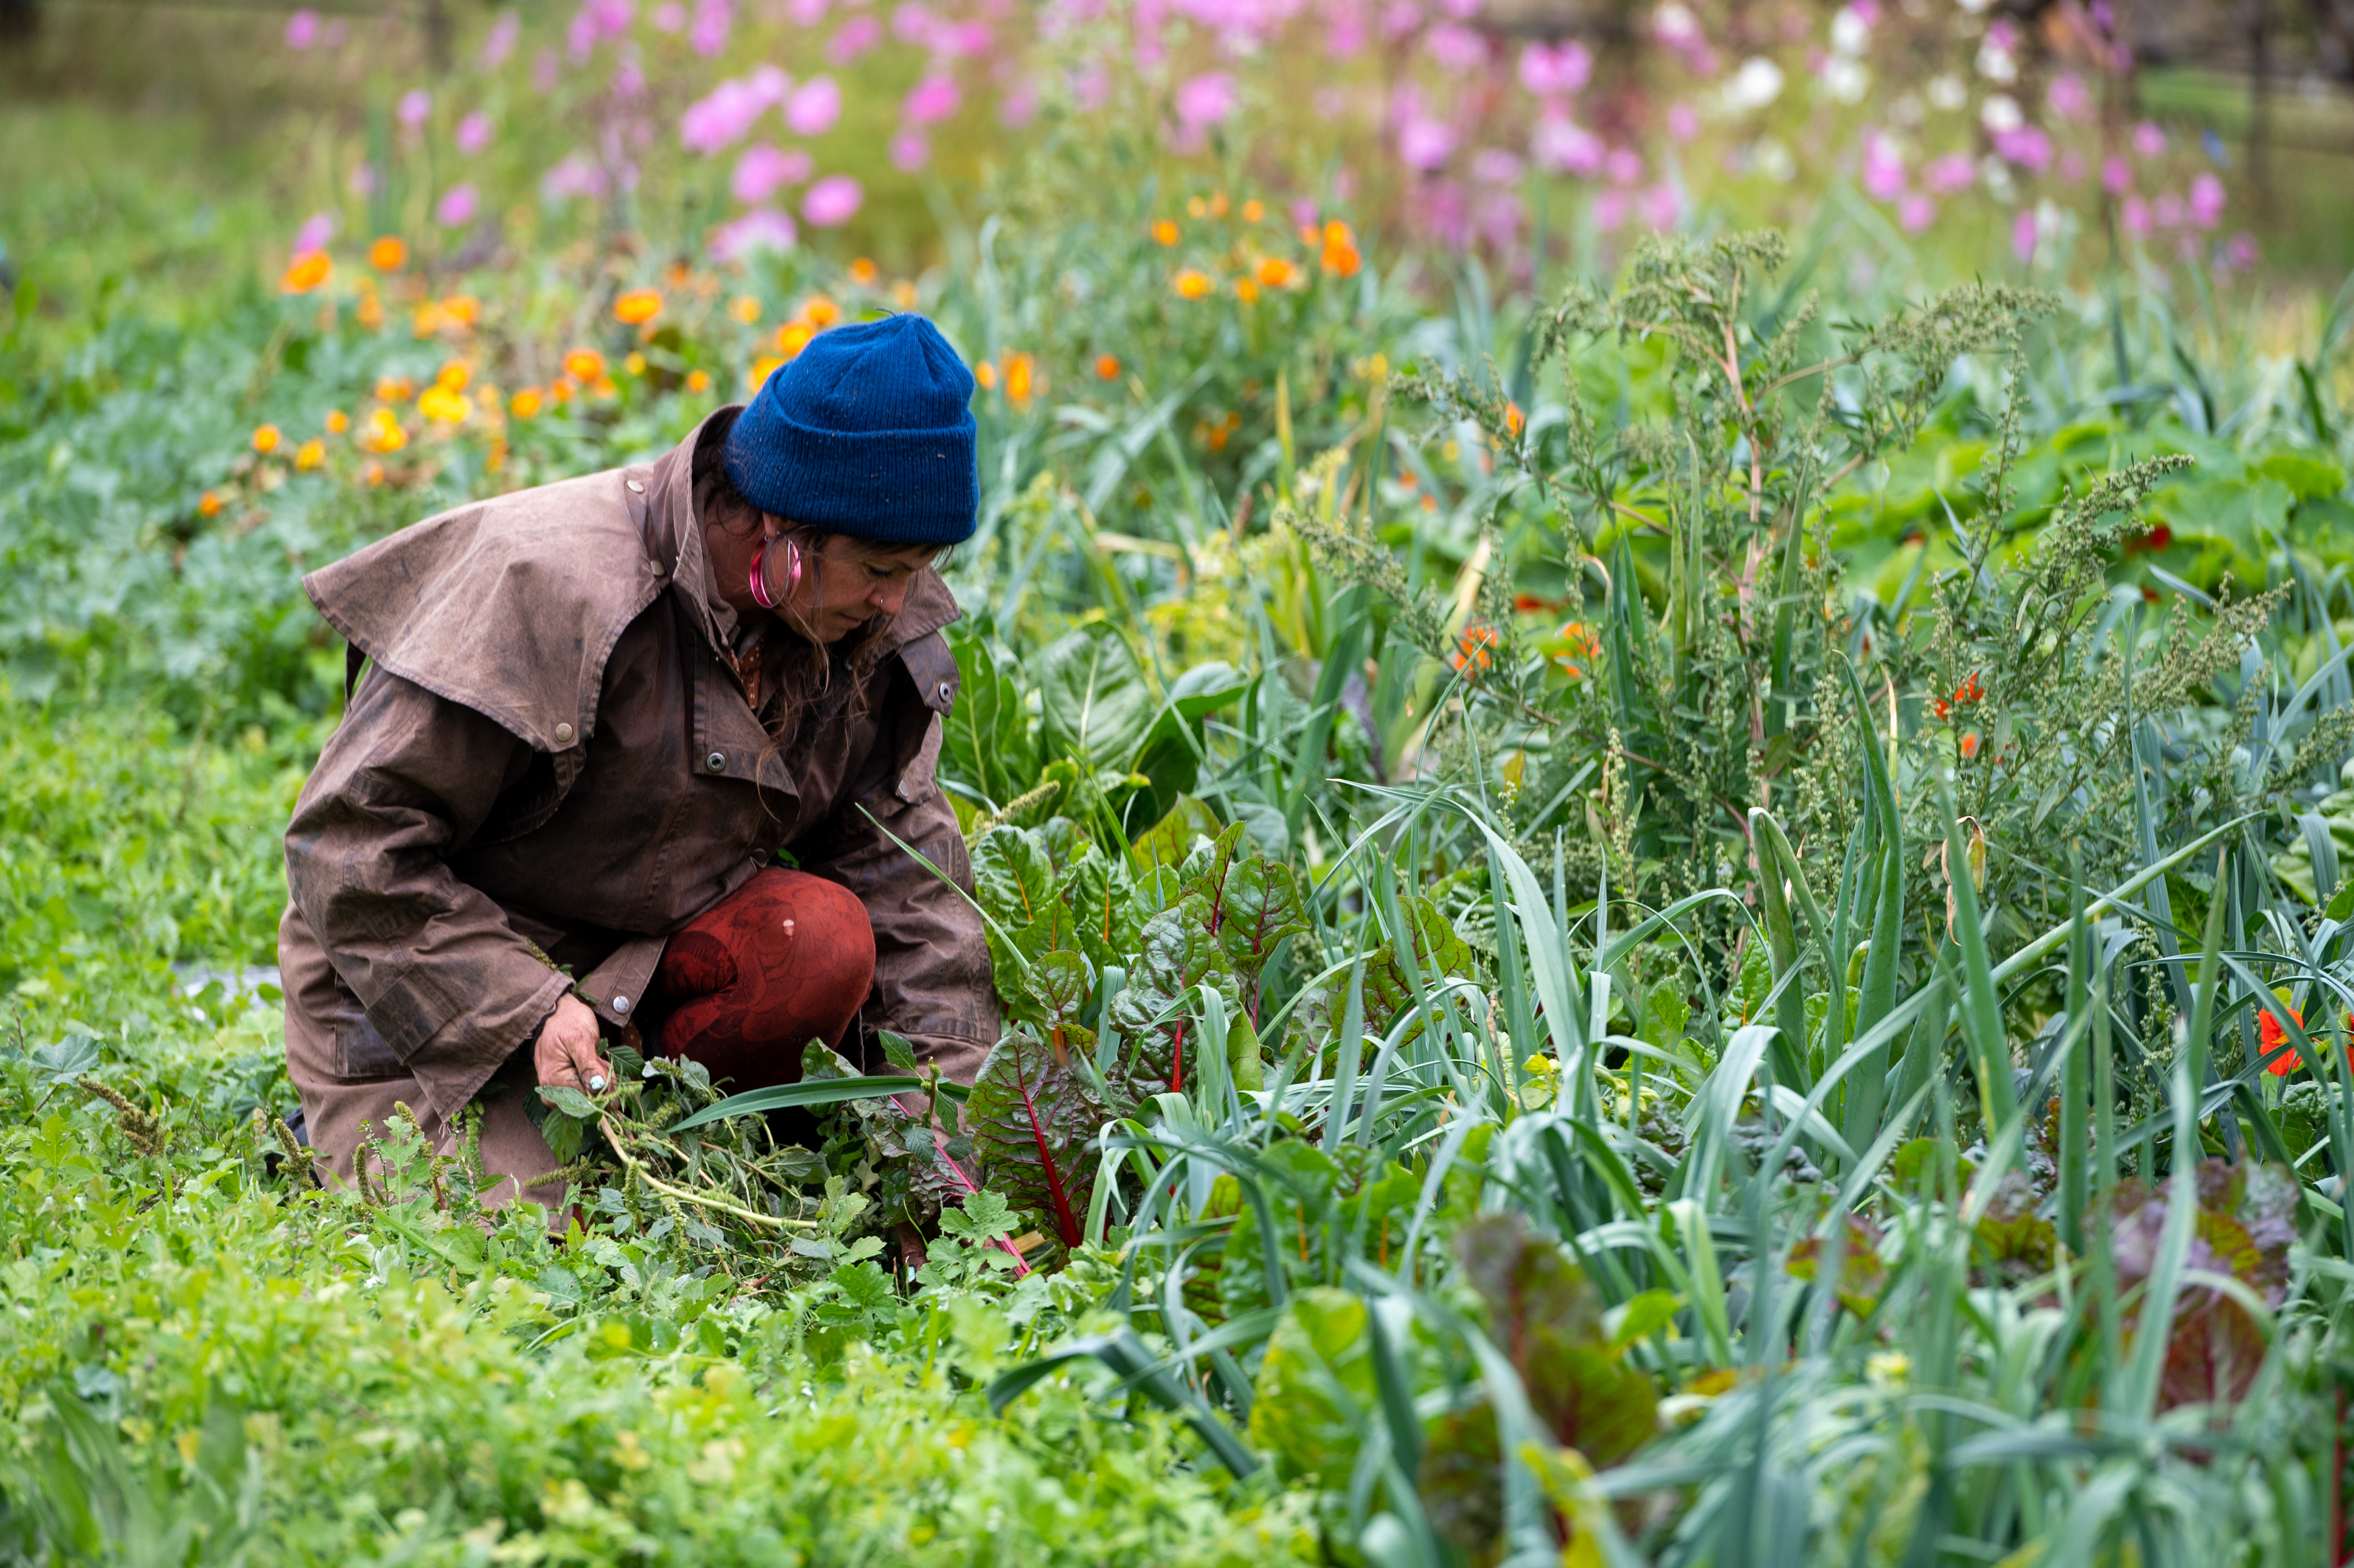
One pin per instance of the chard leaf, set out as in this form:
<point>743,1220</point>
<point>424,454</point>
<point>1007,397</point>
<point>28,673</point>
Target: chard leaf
<point>1032,1118</point>
<point>1095,703</point>
<point>1177,952</point>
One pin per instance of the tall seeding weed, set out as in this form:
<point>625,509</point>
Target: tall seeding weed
<point>1671,937</point>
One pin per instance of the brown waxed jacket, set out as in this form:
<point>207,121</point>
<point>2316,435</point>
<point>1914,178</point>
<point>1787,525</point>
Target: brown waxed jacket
<point>551,751</point>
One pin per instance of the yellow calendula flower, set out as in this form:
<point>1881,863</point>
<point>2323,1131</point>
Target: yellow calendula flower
<point>337,422</point>
<point>310,454</point>
<point>638,307</point>
<point>444,406</point>
<point>1193,283</point>
<point>266,439</point>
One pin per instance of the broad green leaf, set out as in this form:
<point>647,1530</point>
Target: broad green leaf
<point>1094,702</point>
<point>1177,952</point>
<point>1100,894</point>
<point>1170,840</point>
<point>1315,1391</point>
<point>1057,990</point>
<point>987,740</point>
<point>1169,754</point>
<point>1032,1119</point>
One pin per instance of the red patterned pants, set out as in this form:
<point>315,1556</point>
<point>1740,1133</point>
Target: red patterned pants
<point>786,958</point>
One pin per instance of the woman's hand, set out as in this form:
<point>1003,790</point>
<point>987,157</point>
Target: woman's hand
<point>566,1055</point>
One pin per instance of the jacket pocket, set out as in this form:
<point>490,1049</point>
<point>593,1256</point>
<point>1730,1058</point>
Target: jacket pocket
<point>362,1051</point>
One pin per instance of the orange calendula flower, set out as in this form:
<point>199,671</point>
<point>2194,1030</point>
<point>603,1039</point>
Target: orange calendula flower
<point>266,439</point>
<point>373,474</point>
<point>370,311</point>
<point>306,272</point>
<point>1164,232</point>
<point>820,311</point>
<point>1274,272</point>
<point>585,365</point>
<point>767,365</point>
<point>1191,283</point>
<point>461,309</point>
<point>310,454</point>
<point>1514,420</point>
<point>527,403</point>
<point>209,505</point>
<point>1247,290</point>
<point>637,307</point>
<point>389,254</point>
<point>337,422</point>
<point>1340,258</point>
<point>444,405</point>
<point>1020,372</point>
<point>864,272</point>
<point>2272,1036</point>
<point>395,389</point>
<point>698,381</point>
<point>1197,207</point>
<point>1971,746</point>
<point>1107,368</point>
<point>745,309</point>
<point>985,374</point>
<point>1476,647</point>
<point>635,365</point>
<point>792,337</point>
<point>454,376</point>
<point>1254,210</point>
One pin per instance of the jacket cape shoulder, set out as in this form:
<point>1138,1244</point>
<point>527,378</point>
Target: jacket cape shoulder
<point>509,607</point>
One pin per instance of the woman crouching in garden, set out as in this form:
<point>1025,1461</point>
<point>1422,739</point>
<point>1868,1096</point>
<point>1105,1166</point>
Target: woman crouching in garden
<point>601,720</point>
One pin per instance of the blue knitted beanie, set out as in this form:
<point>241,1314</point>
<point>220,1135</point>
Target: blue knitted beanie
<point>868,433</point>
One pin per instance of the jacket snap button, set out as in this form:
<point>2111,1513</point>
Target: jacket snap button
<point>716,762</point>
<point>947,691</point>
<point>564,734</point>
<point>620,1005</point>
<point>635,488</point>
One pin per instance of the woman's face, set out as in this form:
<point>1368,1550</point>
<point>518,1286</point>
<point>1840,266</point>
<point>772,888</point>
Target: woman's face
<point>850,583</point>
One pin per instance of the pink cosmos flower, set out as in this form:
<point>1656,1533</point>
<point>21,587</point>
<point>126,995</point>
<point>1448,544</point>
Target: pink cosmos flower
<point>458,205</point>
<point>764,229</point>
<point>474,134</point>
<point>499,41</point>
<point>1566,147</point>
<point>806,12</point>
<point>414,106</point>
<point>1344,29</point>
<point>2026,146</point>
<point>2169,211</point>
<point>2068,97</point>
<point>670,16</point>
<point>1663,205</point>
<point>1495,167</point>
<point>1455,47</point>
<point>1554,70</point>
<point>1683,121</point>
<point>2207,201</point>
<point>1954,171</point>
<point>832,201</point>
<point>2240,251</point>
<point>722,116</point>
<point>314,233</point>
<point>577,175</point>
<point>910,151</point>
<point>2135,215</point>
<point>2023,237</point>
<point>1018,105</point>
<point>1884,168</point>
<point>1205,100</point>
<point>1609,210</point>
<point>1425,143</point>
<point>1916,211</point>
<point>713,21</point>
<point>2148,140</point>
<point>813,108</point>
<point>763,168</point>
<point>2117,174</point>
<point>931,100</point>
<point>853,38</point>
<point>1624,166</point>
<point>302,28</point>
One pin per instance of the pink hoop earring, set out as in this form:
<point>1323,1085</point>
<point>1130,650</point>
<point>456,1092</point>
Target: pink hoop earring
<point>760,577</point>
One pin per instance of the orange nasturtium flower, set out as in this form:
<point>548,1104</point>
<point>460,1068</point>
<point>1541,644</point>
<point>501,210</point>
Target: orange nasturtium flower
<point>745,309</point>
<point>209,505</point>
<point>1164,232</point>
<point>585,365</point>
<point>337,422</point>
<point>526,404</point>
<point>1575,647</point>
<point>310,454</point>
<point>266,439</point>
<point>1107,368</point>
<point>1476,647</point>
<point>389,254</point>
<point>1191,283</point>
<point>820,311</point>
<point>2272,1036</point>
<point>864,272</point>
<point>1340,258</point>
<point>1970,746</point>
